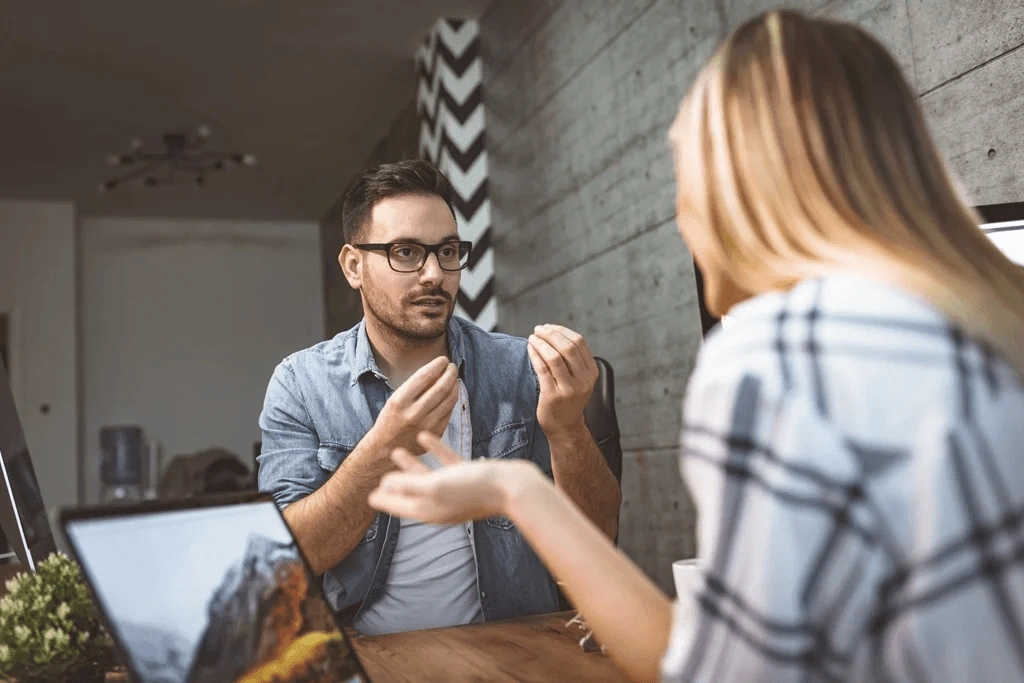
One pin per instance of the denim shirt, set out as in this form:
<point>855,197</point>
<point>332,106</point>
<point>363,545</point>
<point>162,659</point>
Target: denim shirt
<point>321,402</point>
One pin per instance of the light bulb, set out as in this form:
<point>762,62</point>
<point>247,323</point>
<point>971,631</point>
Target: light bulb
<point>249,160</point>
<point>204,131</point>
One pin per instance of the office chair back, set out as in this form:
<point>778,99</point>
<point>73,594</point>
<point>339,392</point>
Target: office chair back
<point>599,415</point>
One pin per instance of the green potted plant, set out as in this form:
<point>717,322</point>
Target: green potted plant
<point>49,628</point>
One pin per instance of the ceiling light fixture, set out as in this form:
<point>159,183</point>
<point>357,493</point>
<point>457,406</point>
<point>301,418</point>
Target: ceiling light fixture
<point>181,154</point>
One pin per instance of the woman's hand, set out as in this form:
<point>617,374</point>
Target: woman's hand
<point>457,492</point>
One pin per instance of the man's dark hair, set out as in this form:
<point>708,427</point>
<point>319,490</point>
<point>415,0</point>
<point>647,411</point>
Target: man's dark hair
<point>413,176</point>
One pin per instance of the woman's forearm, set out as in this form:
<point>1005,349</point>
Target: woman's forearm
<point>628,613</point>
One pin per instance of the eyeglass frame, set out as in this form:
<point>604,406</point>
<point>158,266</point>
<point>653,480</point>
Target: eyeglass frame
<point>428,249</point>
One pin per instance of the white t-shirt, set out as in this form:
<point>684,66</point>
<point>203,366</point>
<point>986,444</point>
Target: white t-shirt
<point>433,577</point>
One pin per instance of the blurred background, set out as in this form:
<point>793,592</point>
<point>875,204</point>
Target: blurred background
<point>170,174</point>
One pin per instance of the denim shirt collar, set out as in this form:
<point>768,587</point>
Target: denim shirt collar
<point>366,363</point>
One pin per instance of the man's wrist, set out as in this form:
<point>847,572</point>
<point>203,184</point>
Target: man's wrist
<point>568,434</point>
<point>377,445</point>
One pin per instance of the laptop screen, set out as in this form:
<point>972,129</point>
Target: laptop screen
<point>211,594</point>
<point>23,521</point>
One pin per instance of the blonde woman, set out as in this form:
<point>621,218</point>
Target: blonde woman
<point>854,439</point>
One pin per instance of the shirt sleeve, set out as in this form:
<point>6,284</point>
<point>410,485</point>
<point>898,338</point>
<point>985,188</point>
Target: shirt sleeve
<point>288,466</point>
<point>540,447</point>
<point>787,562</point>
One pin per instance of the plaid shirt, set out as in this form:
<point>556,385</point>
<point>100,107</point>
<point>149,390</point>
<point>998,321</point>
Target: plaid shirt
<point>858,464</point>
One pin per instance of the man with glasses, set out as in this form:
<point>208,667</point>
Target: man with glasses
<point>335,412</point>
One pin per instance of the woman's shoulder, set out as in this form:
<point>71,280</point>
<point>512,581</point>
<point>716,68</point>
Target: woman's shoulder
<point>744,344</point>
<point>778,335</point>
<point>868,360</point>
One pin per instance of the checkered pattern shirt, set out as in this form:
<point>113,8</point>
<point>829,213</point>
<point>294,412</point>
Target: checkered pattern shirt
<point>858,467</point>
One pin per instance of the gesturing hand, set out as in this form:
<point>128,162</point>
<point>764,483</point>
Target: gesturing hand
<point>567,373</point>
<point>424,402</point>
<point>457,492</point>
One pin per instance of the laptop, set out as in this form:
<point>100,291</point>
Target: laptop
<point>209,591</point>
<point>24,525</point>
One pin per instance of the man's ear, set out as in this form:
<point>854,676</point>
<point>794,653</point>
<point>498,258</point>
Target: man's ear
<point>351,265</point>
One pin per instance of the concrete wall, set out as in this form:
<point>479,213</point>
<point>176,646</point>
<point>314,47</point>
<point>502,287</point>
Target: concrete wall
<point>342,306</point>
<point>37,292</point>
<point>580,94</point>
<point>184,322</point>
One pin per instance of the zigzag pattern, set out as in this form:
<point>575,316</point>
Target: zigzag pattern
<point>463,159</point>
<point>449,104</point>
<point>487,318</point>
<point>461,111</point>
<point>475,277</point>
<point>473,230</point>
<point>457,36</point>
<point>480,247</point>
<point>437,53</point>
<point>471,179</point>
<point>474,306</point>
<point>459,86</point>
<point>448,132</point>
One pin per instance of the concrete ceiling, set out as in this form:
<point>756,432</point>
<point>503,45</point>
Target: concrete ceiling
<point>308,87</point>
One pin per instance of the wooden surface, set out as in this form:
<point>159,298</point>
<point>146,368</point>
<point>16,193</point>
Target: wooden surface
<point>535,649</point>
<point>538,648</point>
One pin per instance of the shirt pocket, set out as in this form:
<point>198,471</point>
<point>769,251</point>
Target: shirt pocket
<point>506,442</point>
<point>330,457</point>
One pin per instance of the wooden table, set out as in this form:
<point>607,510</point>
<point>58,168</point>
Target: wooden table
<point>538,648</point>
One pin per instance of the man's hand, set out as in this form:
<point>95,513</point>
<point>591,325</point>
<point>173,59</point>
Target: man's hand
<point>424,402</point>
<point>567,373</point>
<point>330,522</point>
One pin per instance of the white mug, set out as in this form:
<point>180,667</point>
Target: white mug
<point>687,576</point>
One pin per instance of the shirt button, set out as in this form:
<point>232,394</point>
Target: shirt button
<point>483,594</point>
<point>394,536</point>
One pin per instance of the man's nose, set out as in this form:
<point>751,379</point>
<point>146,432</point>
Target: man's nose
<point>431,270</point>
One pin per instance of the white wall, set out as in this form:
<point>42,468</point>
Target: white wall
<point>37,289</point>
<point>183,323</point>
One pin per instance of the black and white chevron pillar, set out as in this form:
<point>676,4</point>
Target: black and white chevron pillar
<point>451,112</point>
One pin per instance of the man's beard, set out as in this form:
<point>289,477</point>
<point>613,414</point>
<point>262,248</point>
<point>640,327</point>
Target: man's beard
<point>405,320</point>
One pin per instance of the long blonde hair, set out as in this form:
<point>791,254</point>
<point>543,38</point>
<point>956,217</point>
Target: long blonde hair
<point>801,151</point>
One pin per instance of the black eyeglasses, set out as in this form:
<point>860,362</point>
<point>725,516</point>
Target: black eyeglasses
<point>409,257</point>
